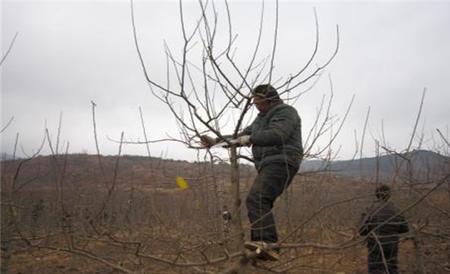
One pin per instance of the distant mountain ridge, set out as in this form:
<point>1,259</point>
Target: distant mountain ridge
<point>5,156</point>
<point>418,164</point>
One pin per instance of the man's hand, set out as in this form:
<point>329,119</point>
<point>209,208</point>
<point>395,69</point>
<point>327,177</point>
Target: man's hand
<point>244,140</point>
<point>207,141</point>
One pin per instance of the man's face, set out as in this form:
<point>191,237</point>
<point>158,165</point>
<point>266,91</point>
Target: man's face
<point>261,104</point>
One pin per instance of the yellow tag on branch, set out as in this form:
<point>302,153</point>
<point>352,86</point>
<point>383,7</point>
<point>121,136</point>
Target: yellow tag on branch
<point>181,183</point>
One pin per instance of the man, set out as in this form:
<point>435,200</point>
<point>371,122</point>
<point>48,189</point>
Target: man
<point>382,225</point>
<point>275,136</point>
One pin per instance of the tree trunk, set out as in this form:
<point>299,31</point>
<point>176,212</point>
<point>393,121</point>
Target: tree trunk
<point>238,230</point>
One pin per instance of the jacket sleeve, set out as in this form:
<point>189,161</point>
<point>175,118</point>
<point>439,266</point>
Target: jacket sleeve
<point>363,228</point>
<point>402,225</point>
<point>246,131</point>
<point>280,127</point>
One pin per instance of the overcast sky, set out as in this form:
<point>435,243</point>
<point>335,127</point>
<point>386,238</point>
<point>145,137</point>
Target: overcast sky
<point>68,54</point>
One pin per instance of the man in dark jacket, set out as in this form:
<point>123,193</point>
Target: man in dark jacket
<point>382,224</point>
<point>275,136</point>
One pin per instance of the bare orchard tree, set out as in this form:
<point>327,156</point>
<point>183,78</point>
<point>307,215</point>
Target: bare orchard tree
<point>207,84</point>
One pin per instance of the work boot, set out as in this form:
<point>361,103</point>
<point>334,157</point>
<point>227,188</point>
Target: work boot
<point>265,251</point>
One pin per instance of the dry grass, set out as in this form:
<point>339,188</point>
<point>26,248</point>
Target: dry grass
<point>142,218</point>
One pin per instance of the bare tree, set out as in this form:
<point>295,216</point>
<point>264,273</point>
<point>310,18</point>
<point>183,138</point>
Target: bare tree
<point>212,85</point>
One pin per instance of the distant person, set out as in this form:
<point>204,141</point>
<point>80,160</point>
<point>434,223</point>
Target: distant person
<point>226,216</point>
<point>382,224</point>
<point>275,137</point>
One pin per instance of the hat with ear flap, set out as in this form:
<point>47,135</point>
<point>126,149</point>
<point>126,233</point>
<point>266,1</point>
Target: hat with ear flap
<point>266,91</point>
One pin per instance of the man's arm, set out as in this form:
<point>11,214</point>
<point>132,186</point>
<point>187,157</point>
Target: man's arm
<point>246,131</point>
<point>363,225</point>
<point>402,224</point>
<point>208,141</point>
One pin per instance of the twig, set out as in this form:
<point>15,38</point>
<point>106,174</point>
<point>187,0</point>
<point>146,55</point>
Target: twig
<point>417,120</point>
<point>7,124</point>
<point>9,49</point>
<point>443,138</point>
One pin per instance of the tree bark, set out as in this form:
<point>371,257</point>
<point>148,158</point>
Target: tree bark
<point>238,229</point>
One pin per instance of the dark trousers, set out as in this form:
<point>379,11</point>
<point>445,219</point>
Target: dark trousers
<point>271,181</point>
<point>376,263</point>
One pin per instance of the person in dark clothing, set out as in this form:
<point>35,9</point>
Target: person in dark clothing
<point>382,223</point>
<point>275,136</point>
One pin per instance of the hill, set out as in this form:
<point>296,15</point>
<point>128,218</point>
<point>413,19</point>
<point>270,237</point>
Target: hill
<point>5,156</point>
<point>81,169</point>
<point>84,169</point>
<point>420,165</point>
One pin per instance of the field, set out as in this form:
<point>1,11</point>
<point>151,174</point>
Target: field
<point>65,214</point>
